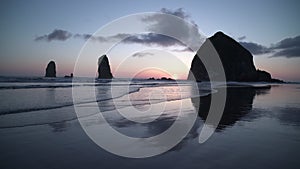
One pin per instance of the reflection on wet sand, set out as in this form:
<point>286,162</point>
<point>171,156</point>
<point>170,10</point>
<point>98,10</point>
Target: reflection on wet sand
<point>59,126</point>
<point>238,104</point>
<point>139,107</point>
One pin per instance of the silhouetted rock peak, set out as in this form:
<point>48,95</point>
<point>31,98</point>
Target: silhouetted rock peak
<point>220,33</point>
<point>237,61</point>
<point>104,68</point>
<point>222,41</point>
<point>51,69</point>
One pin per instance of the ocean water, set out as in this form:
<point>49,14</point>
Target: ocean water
<point>39,128</point>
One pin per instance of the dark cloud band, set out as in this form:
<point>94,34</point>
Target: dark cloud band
<point>56,34</point>
<point>289,48</point>
<point>255,48</point>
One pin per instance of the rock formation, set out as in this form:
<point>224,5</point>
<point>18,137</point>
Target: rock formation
<point>104,68</point>
<point>163,78</point>
<point>67,76</point>
<point>51,69</point>
<point>237,62</point>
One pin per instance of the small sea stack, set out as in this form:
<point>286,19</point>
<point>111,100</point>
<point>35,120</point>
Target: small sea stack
<point>69,76</point>
<point>104,71</point>
<point>51,69</point>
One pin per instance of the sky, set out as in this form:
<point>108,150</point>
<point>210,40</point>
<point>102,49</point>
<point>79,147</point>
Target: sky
<point>34,32</point>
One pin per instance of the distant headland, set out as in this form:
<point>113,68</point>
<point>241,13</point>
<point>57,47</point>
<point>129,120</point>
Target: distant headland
<point>163,79</point>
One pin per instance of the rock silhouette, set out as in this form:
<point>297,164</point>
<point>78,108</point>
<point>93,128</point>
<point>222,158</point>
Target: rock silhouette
<point>263,76</point>
<point>69,76</point>
<point>237,62</point>
<point>51,69</point>
<point>104,68</point>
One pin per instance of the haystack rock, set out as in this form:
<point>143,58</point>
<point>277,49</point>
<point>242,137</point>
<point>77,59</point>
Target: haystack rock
<point>104,68</point>
<point>237,61</point>
<point>51,69</point>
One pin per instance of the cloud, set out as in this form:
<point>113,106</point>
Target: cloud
<point>288,52</point>
<point>242,38</point>
<point>56,34</point>
<point>178,12</point>
<point>288,43</point>
<point>153,39</point>
<point>289,47</point>
<point>145,39</point>
<point>142,54</point>
<point>116,37</point>
<point>160,25</point>
<point>185,49</point>
<point>83,36</point>
<point>186,31</point>
<point>255,48</point>
<point>63,35</point>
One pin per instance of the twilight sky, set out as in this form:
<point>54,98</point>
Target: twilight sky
<point>34,32</point>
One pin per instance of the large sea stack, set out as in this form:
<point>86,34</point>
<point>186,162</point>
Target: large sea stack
<point>237,62</point>
<point>51,69</point>
<point>104,68</point>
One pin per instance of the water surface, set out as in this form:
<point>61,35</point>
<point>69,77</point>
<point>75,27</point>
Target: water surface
<point>260,127</point>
